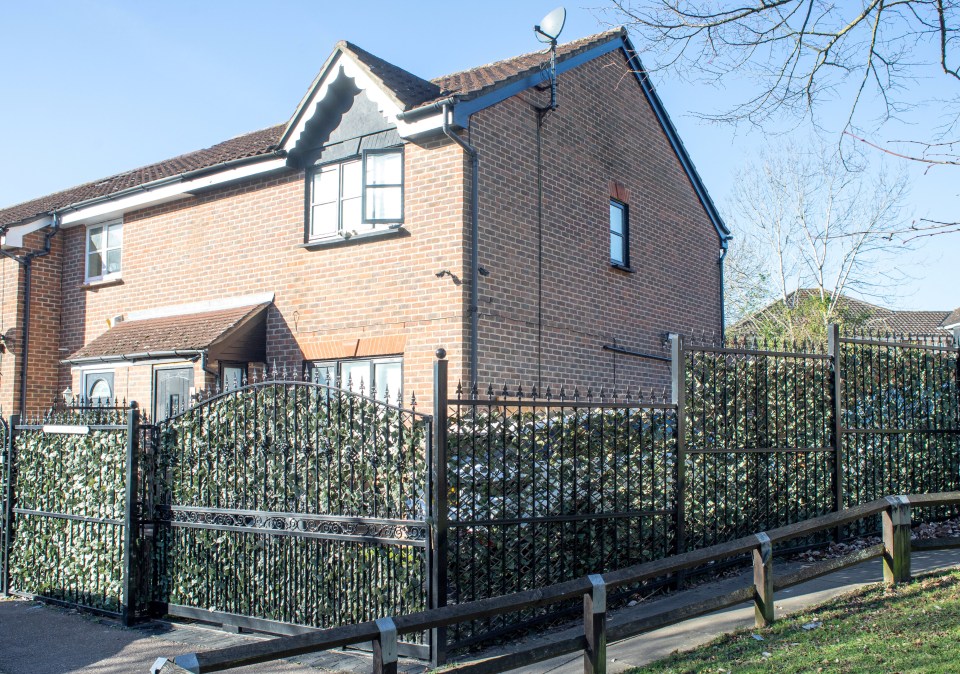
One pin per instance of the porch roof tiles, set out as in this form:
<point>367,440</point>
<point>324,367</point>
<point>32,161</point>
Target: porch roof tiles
<point>158,337</point>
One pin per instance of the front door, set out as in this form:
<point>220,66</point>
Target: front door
<point>171,391</point>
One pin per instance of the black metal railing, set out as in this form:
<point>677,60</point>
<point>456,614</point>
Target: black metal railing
<point>545,487</point>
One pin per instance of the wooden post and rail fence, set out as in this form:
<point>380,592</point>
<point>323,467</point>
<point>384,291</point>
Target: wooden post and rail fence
<point>598,631</point>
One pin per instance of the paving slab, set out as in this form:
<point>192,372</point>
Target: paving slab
<point>37,638</point>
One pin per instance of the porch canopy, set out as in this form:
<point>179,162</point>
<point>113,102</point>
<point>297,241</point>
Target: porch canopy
<point>237,334</point>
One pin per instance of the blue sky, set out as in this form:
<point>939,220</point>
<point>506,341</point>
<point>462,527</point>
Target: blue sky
<point>95,88</point>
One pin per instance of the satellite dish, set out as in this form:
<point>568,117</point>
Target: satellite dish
<point>551,25</point>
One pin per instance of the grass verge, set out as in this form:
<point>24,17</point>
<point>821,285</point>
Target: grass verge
<point>912,628</point>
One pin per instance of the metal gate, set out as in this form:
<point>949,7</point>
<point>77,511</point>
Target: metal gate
<point>70,531</point>
<point>287,505</point>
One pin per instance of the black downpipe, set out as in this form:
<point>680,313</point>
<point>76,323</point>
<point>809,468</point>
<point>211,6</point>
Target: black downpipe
<point>723,311</point>
<point>26,261</point>
<point>474,240</point>
<point>541,114</point>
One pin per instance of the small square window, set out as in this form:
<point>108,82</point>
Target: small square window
<point>619,231</point>
<point>104,251</point>
<point>98,387</point>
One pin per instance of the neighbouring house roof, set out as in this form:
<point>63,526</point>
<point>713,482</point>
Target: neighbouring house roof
<point>186,334</point>
<point>260,142</point>
<point>869,316</point>
<point>408,91</point>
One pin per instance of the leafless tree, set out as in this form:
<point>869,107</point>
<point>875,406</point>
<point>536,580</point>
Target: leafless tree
<point>810,56</point>
<point>806,221</point>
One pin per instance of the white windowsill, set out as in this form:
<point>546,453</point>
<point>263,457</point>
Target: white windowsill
<point>338,239</point>
<point>114,279</point>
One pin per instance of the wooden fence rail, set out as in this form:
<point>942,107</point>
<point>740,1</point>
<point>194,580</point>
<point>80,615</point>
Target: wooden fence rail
<point>598,631</point>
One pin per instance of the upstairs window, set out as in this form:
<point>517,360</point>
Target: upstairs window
<point>619,230</point>
<point>104,246</point>
<point>356,196</point>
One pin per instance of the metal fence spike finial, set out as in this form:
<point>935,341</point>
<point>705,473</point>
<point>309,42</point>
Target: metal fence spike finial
<point>563,393</point>
<point>490,394</point>
<point>548,393</point>
<point>504,393</point>
<point>589,394</point>
<point>576,393</point>
<point>520,390</point>
<point>534,393</point>
<point>474,391</point>
<point>413,400</point>
<point>459,388</point>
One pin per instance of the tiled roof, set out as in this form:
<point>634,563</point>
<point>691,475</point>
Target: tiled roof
<point>953,318</point>
<point>910,322</point>
<point>873,317</point>
<point>409,89</point>
<point>476,81</point>
<point>186,332</point>
<point>248,145</point>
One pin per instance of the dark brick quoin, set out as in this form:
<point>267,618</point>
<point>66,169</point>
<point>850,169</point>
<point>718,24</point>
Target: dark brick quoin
<point>549,304</point>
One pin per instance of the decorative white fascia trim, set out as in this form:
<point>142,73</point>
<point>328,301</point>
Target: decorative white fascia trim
<point>201,307</point>
<point>150,197</point>
<point>14,236</point>
<point>344,63</point>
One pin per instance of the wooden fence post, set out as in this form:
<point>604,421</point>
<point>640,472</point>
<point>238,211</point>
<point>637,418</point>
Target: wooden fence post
<point>385,648</point>
<point>130,519</point>
<point>679,397</point>
<point>763,581</point>
<point>438,562</point>
<point>595,626</point>
<point>8,487</point>
<point>896,540</point>
<point>836,430</point>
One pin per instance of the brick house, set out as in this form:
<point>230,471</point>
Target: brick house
<point>342,241</point>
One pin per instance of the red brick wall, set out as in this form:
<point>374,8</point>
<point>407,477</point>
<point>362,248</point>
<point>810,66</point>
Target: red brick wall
<point>604,130</point>
<point>247,239</point>
<point>44,342</point>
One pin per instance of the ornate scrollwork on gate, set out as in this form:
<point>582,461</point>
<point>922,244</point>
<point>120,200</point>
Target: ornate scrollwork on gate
<point>294,524</point>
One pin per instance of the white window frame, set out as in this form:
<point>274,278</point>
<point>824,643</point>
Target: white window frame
<point>369,225</point>
<point>105,227</point>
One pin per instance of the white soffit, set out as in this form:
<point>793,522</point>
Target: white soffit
<point>14,236</point>
<point>149,197</point>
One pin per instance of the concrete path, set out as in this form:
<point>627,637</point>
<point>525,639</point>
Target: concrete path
<point>41,639</point>
<point>684,636</point>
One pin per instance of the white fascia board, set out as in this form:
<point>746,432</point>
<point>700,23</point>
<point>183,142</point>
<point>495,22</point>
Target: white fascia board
<point>421,127</point>
<point>345,64</point>
<point>201,307</point>
<point>14,236</point>
<point>150,197</point>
